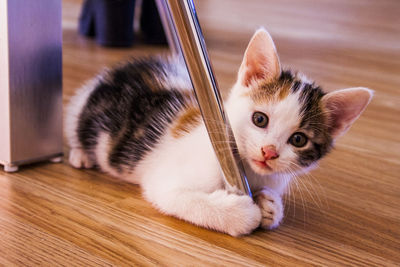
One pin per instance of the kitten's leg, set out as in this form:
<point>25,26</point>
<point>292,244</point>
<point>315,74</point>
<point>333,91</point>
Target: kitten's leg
<point>271,207</point>
<point>229,213</point>
<point>79,159</point>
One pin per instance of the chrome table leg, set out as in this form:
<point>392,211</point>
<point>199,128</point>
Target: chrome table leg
<point>179,16</point>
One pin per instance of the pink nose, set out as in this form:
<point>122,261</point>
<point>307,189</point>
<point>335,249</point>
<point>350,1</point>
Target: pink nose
<point>269,152</point>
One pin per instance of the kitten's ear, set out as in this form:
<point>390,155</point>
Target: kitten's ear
<point>344,107</point>
<point>260,59</point>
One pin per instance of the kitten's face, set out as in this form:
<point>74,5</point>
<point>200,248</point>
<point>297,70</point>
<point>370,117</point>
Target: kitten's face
<point>280,125</point>
<point>282,122</point>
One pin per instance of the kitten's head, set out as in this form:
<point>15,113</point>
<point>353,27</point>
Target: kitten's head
<point>284,123</point>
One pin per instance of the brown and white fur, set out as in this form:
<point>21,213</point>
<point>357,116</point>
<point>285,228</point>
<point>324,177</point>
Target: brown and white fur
<point>140,123</point>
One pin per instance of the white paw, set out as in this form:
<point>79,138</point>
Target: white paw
<point>79,159</point>
<point>242,215</point>
<point>271,207</point>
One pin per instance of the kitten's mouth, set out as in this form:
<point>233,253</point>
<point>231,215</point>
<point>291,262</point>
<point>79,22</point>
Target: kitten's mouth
<point>262,164</point>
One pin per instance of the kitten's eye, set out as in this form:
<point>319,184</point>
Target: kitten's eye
<point>298,139</point>
<point>260,119</point>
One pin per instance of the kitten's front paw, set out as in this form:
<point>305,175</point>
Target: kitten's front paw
<point>233,214</point>
<point>79,159</point>
<point>244,216</point>
<point>271,207</point>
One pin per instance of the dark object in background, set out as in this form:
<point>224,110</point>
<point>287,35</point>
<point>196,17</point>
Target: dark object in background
<point>111,22</point>
<point>150,24</point>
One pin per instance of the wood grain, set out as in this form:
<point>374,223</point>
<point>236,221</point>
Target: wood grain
<point>344,213</point>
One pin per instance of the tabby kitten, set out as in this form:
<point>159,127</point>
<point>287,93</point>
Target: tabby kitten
<point>140,122</point>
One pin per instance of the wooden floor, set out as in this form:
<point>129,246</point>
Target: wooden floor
<point>347,212</point>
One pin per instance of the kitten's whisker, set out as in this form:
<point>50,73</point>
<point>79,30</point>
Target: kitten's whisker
<point>312,192</point>
<point>300,192</point>
<point>288,196</point>
<point>223,142</point>
<point>317,203</point>
<point>311,184</point>
<point>241,158</point>
<point>294,179</point>
<point>314,182</point>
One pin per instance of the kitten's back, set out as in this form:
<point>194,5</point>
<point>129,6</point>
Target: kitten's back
<point>121,115</point>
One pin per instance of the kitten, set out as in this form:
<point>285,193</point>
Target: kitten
<point>140,122</point>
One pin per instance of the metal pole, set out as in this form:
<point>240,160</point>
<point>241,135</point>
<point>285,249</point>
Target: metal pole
<point>194,51</point>
<point>168,26</point>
